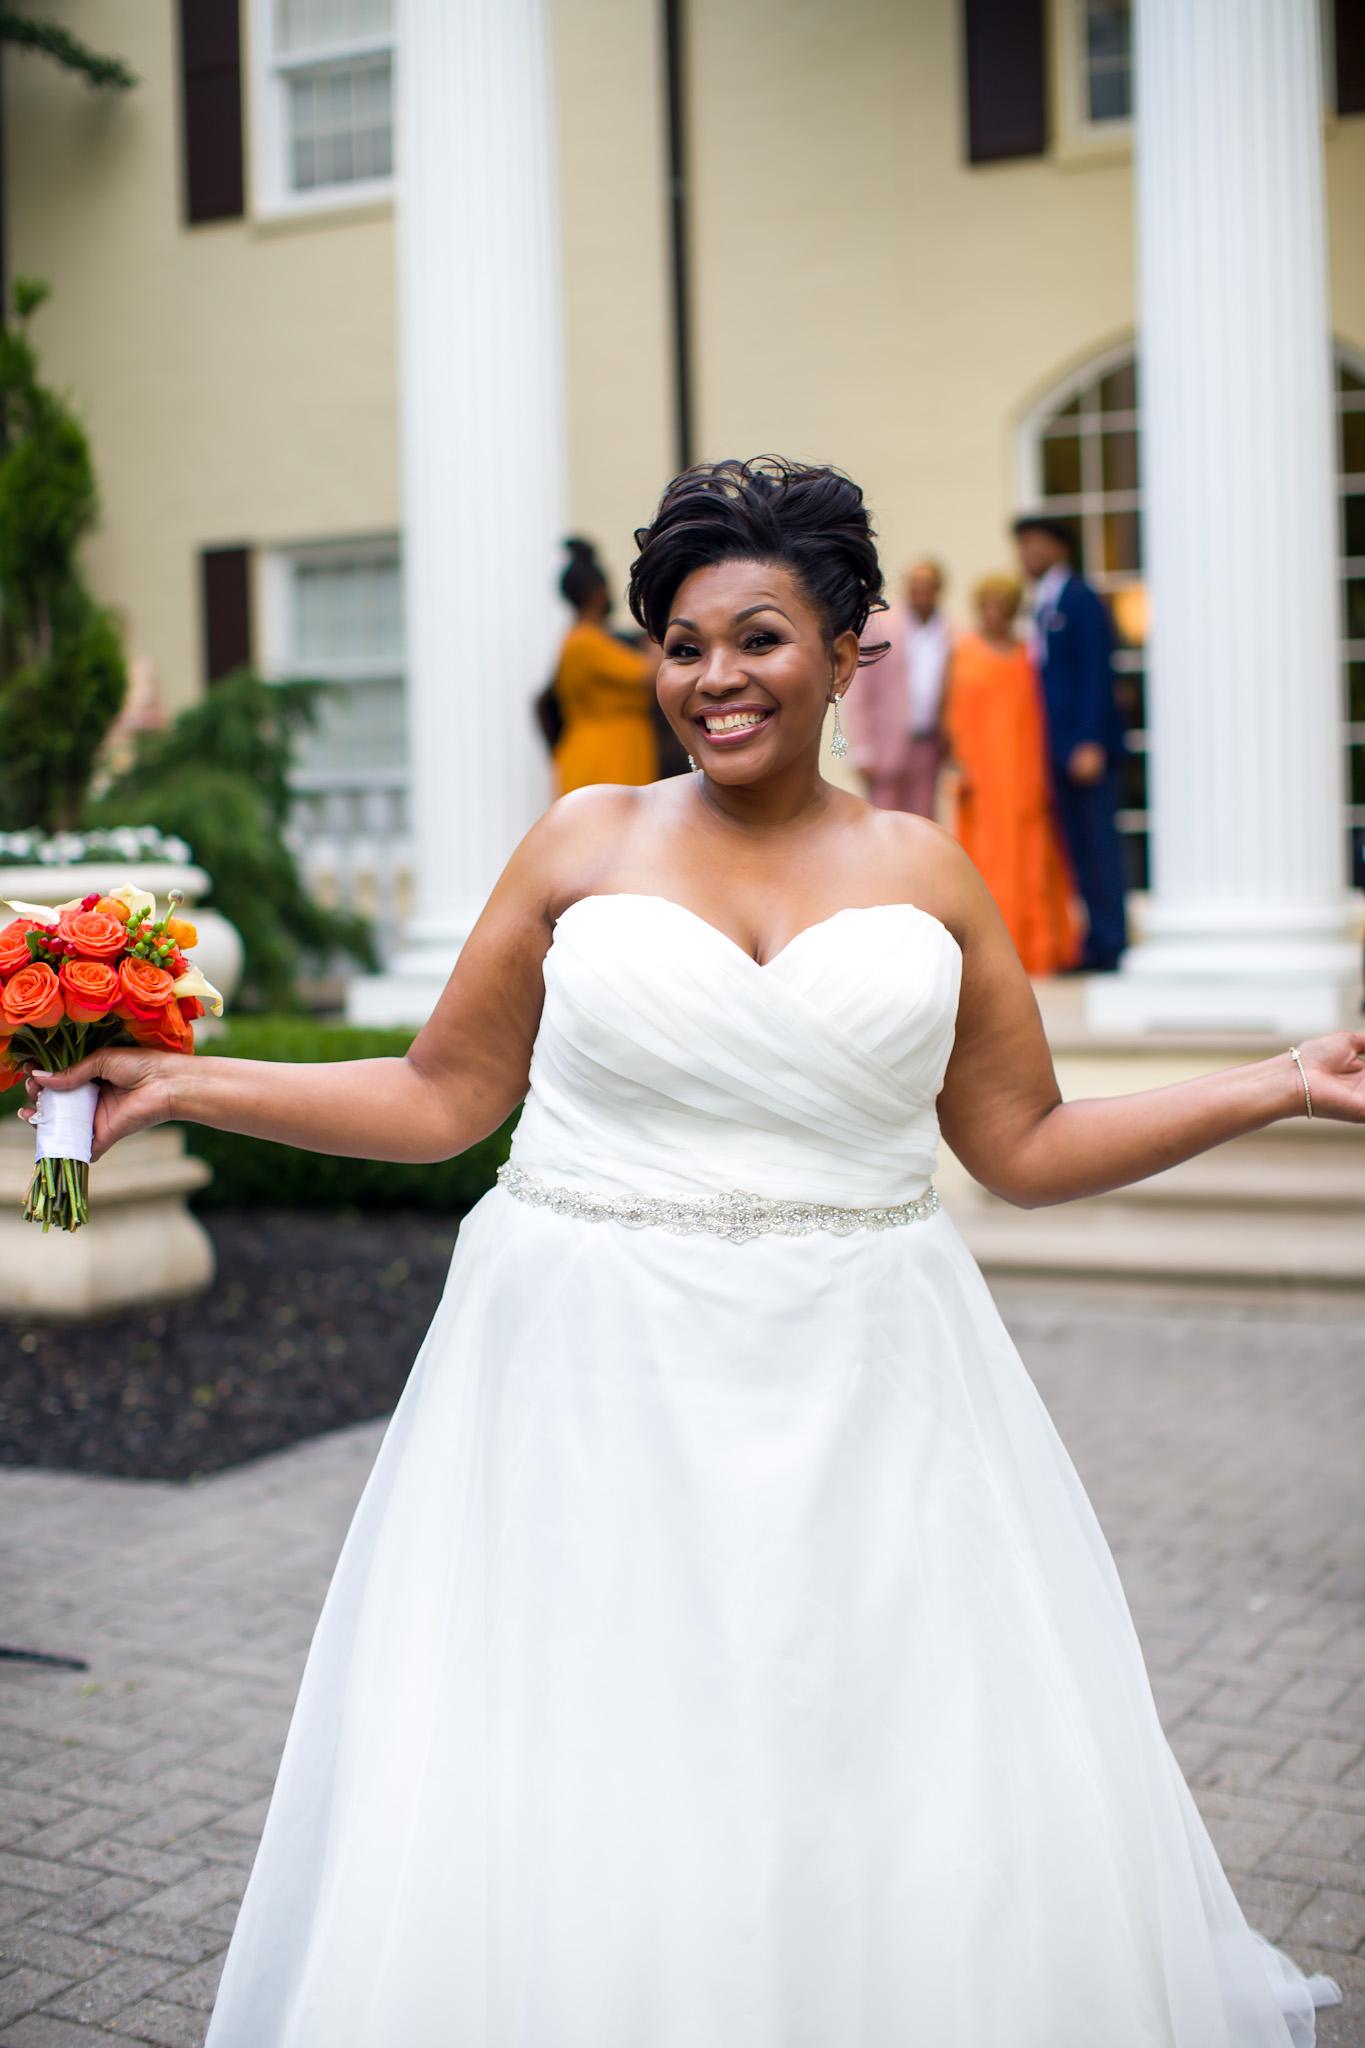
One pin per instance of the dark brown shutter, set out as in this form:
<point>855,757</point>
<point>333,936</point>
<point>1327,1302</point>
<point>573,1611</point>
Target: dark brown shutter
<point>1349,31</point>
<point>225,587</point>
<point>1005,60</point>
<point>211,109</point>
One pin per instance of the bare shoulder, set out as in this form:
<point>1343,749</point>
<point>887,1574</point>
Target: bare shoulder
<point>928,867</point>
<point>498,973</point>
<point>576,839</point>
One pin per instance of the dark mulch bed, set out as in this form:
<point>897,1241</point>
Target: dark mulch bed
<point>313,1322</point>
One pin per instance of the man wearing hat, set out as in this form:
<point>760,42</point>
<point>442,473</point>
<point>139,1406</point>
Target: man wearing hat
<point>1074,645</point>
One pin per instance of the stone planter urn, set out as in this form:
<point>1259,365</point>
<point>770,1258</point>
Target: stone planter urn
<point>142,1243</point>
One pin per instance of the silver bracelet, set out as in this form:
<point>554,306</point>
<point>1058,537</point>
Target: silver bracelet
<point>1294,1055</point>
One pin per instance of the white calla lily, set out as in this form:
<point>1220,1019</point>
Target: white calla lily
<point>136,901</point>
<point>193,983</point>
<point>41,913</point>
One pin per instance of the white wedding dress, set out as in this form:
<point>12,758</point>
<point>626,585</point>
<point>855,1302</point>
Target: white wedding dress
<point>724,1652</point>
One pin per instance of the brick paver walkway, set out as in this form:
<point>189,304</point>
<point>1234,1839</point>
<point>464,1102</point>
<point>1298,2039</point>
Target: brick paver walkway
<point>1220,1446</point>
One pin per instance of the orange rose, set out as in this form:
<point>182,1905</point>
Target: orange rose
<point>10,1068</point>
<point>144,990</point>
<point>33,998</point>
<point>109,906</point>
<point>13,951</point>
<point>180,1024</point>
<point>90,989</point>
<point>166,1032</point>
<point>181,932</point>
<point>190,1008</point>
<point>139,1033</point>
<point>93,935</point>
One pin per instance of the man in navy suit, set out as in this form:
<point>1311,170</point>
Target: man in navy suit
<point>1074,648</point>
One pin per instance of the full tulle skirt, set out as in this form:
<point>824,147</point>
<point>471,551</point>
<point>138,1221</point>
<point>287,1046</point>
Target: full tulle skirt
<point>724,1653</point>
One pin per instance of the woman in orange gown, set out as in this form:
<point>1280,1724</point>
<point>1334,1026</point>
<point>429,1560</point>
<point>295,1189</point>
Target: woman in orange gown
<point>994,720</point>
<point>605,689</point>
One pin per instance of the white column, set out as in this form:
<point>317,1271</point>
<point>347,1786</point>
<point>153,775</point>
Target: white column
<point>482,412</point>
<point>1250,914</point>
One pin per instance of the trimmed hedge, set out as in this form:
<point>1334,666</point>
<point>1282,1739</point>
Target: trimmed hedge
<point>251,1173</point>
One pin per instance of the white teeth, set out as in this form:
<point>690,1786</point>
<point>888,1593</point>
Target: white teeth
<point>732,721</point>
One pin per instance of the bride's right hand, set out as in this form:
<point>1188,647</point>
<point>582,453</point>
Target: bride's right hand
<point>135,1090</point>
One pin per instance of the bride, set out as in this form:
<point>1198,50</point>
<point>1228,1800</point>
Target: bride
<point>724,1652</point>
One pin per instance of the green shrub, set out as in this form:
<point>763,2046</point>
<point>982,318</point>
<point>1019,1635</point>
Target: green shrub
<point>218,777</point>
<point>250,1173</point>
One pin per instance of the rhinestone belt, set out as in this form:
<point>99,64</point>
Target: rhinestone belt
<point>735,1214</point>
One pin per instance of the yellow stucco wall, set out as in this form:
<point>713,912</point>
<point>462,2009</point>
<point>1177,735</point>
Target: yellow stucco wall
<point>866,297</point>
<point>861,294</point>
<point>609,76</point>
<point>238,381</point>
<point>1345,242</point>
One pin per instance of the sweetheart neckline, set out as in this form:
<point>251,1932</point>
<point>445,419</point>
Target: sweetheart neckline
<point>761,966</point>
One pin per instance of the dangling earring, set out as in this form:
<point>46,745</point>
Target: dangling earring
<point>691,763</point>
<point>838,745</point>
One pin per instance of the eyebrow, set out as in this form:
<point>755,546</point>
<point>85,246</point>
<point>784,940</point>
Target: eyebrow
<point>738,619</point>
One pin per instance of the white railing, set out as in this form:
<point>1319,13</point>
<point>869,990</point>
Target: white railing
<point>353,843</point>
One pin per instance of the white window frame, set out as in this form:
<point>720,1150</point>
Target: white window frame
<point>1077,137</point>
<point>272,196</point>
<point>275,594</point>
<point>1115,123</point>
<point>1076,134</point>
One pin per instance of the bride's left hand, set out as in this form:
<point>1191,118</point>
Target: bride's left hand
<point>1335,1070</point>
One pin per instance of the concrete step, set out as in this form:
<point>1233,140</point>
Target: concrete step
<point>1255,1248</point>
<point>1282,1209</point>
<point>1228,1179</point>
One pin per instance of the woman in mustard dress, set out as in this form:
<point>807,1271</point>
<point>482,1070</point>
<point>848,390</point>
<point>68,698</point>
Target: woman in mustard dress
<point>605,689</point>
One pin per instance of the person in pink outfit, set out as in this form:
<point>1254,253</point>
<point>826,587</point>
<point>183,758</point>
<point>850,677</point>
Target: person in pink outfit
<point>895,714</point>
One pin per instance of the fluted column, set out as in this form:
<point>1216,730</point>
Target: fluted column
<point>482,420</point>
<point>1249,914</point>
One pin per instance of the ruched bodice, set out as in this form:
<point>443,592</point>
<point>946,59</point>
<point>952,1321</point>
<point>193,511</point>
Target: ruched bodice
<point>670,1061</point>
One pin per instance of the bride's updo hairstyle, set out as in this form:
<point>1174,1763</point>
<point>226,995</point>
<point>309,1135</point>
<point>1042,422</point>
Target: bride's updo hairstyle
<point>809,518</point>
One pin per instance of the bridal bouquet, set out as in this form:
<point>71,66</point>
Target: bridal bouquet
<point>103,970</point>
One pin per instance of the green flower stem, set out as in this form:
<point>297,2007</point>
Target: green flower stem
<point>59,1193</point>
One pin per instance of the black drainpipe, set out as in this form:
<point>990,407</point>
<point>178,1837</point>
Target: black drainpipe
<point>677,219</point>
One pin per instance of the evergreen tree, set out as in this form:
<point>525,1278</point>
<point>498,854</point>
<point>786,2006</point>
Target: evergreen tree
<point>28,32</point>
<point>62,673</point>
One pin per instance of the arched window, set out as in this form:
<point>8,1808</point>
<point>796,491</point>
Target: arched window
<point>1082,458</point>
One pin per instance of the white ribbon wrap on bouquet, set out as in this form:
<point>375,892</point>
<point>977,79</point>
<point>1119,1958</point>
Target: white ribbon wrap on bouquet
<point>65,1124</point>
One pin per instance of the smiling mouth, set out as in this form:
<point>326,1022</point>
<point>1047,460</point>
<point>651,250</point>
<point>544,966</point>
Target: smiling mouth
<point>733,725</point>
